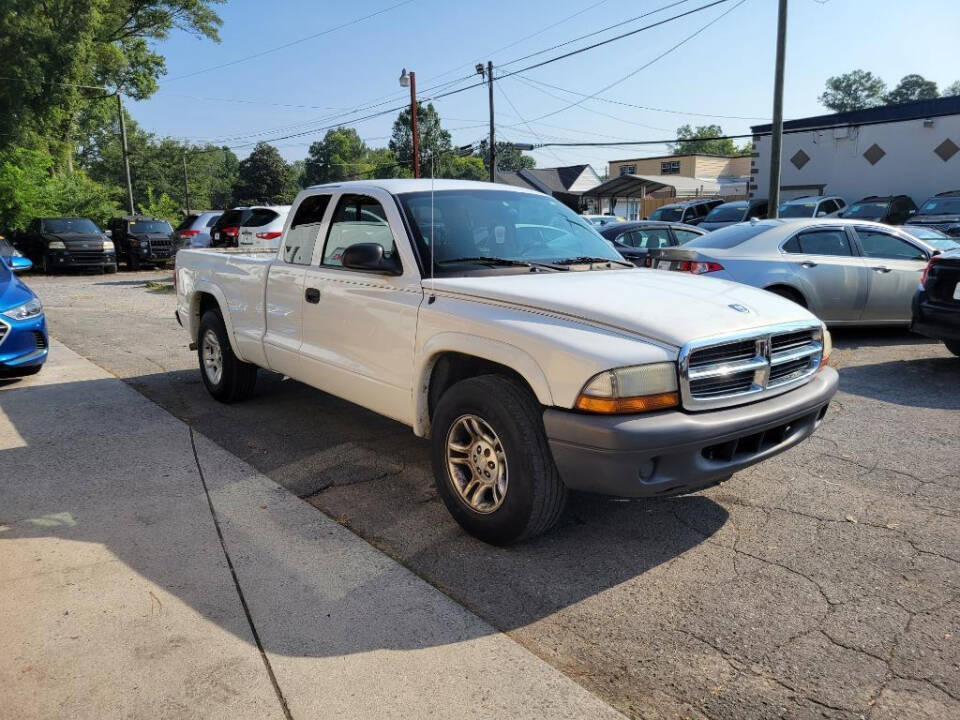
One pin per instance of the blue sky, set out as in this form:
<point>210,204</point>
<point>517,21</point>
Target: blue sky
<point>726,70</point>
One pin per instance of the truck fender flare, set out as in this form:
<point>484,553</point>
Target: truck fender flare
<point>485,348</point>
<point>205,287</point>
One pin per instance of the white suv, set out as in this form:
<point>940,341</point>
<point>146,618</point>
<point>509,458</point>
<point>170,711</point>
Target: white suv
<point>264,227</point>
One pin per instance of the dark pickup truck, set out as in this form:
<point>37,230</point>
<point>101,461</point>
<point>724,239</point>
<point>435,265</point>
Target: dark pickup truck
<point>66,243</point>
<point>142,240</point>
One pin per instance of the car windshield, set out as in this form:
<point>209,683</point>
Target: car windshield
<point>502,225</point>
<point>70,225</point>
<point>151,226</point>
<point>733,212</point>
<point>728,237</point>
<point>797,210</point>
<point>941,206</point>
<point>668,214</point>
<point>865,210</point>
<point>230,217</point>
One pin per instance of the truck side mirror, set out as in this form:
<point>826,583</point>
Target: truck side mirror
<point>108,233</point>
<point>369,257</point>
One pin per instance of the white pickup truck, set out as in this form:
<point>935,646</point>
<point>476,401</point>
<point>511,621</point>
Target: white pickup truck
<point>502,326</point>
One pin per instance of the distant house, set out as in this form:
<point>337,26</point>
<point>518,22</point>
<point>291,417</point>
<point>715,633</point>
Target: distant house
<point>566,184</point>
<point>909,149</point>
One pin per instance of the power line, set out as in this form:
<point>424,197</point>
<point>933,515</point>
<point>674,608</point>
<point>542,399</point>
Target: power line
<point>292,43</point>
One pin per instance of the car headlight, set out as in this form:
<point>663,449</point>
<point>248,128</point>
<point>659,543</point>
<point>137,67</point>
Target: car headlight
<point>30,309</point>
<point>108,244</point>
<point>827,347</point>
<point>56,245</point>
<point>635,389</point>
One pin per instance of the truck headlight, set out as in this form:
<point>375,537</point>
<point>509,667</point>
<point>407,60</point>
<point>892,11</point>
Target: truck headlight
<point>29,309</point>
<point>108,244</point>
<point>827,347</point>
<point>56,245</point>
<point>640,388</point>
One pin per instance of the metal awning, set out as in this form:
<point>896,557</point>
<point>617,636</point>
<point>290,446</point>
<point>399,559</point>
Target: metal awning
<point>639,186</point>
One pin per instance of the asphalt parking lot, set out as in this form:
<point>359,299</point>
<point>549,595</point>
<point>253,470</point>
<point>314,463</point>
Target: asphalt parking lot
<point>823,583</point>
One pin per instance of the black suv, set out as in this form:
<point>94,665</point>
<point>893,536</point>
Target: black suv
<point>226,230</point>
<point>691,212</point>
<point>142,240</point>
<point>889,209</point>
<point>941,212</point>
<point>66,243</point>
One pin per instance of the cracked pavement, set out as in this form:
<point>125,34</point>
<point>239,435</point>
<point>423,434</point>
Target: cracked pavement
<point>824,583</point>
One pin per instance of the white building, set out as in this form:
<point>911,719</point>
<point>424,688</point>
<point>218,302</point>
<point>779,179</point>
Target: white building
<point>911,149</point>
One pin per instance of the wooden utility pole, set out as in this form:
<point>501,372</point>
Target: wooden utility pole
<point>776,134</point>
<point>493,144</point>
<point>186,184</point>
<point>126,153</point>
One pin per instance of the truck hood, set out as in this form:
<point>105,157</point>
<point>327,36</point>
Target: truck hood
<point>668,307</point>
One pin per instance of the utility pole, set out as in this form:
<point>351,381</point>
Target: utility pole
<point>186,184</point>
<point>126,153</point>
<point>493,145</point>
<point>776,135</point>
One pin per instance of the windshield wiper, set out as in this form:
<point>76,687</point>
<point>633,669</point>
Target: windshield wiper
<point>499,262</point>
<point>584,259</point>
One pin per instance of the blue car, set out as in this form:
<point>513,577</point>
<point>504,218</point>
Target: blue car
<point>23,328</point>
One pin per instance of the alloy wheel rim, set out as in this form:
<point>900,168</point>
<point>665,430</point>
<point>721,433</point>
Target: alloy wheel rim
<point>212,357</point>
<point>476,463</point>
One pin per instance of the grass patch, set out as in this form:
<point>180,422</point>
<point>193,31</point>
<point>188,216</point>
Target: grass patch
<point>155,286</point>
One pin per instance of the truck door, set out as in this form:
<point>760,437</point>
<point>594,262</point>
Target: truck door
<point>359,327</point>
<point>283,301</point>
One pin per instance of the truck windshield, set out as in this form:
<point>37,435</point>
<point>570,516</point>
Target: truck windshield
<point>70,225</point>
<point>151,226</point>
<point>499,225</point>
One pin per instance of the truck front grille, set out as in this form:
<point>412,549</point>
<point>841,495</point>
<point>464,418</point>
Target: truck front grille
<point>720,372</point>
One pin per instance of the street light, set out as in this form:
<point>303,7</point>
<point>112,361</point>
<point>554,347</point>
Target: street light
<point>410,80</point>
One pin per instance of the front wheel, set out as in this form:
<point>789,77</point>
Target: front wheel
<point>953,346</point>
<point>227,378</point>
<point>491,462</point>
<point>133,261</point>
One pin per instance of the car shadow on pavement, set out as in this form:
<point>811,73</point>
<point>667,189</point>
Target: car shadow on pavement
<point>315,594</point>
<point>921,383</point>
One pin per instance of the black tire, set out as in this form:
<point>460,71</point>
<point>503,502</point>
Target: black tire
<point>133,261</point>
<point>535,495</point>
<point>110,269</point>
<point>237,378</point>
<point>45,265</point>
<point>789,294</point>
<point>953,346</point>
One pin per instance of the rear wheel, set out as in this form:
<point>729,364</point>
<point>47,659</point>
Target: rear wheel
<point>789,294</point>
<point>491,462</point>
<point>953,346</point>
<point>227,378</point>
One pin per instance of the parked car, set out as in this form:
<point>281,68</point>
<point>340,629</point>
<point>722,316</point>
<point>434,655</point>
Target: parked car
<point>941,212</point>
<point>262,229</point>
<point>142,240</point>
<point>23,327</point>
<point>811,206</point>
<point>226,230</point>
<point>936,306</point>
<point>690,212</point>
<point>844,271</point>
<point>498,323</point>
<point>730,213</point>
<point>634,239</point>
<point>55,244</point>
<point>937,238</point>
<point>602,220</point>
<point>889,209</point>
<point>195,229</point>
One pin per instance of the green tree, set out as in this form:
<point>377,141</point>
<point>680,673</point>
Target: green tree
<point>263,177</point>
<point>854,90</point>
<point>49,48</point>
<point>341,155</point>
<point>162,206</point>
<point>434,140</point>
<point>509,158</point>
<point>952,89</point>
<point>910,88</point>
<point>702,139</point>
<point>459,167</point>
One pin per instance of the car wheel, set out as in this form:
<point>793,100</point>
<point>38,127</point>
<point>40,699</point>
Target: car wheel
<point>44,264</point>
<point>953,346</point>
<point>227,378</point>
<point>491,462</point>
<point>109,269</point>
<point>133,262</point>
<point>789,294</point>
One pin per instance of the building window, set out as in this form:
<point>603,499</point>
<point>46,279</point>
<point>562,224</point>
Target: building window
<point>671,167</point>
<point>628,169</point>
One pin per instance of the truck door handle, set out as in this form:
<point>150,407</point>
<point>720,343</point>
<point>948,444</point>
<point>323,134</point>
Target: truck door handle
<point>808,264</point>
<point>881,269</point>
<point>312,295</point>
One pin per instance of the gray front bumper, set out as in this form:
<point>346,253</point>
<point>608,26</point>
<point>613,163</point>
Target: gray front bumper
<point>674,452</point>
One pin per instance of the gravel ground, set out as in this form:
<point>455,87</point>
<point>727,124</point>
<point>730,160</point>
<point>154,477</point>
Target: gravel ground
<point>822,583</point>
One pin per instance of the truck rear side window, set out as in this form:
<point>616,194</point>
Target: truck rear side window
<point>358,219</point>
<point>260,217</point>
<point>302,236</point>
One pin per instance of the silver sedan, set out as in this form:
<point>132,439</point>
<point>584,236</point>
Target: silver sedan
<point>847,272</point>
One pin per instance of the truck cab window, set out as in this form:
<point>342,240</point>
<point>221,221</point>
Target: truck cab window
<point>302,236</point>
<point>357,219</point>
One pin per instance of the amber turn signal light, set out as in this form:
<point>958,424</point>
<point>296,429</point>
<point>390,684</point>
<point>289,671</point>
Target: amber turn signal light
<point>619,406</point>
